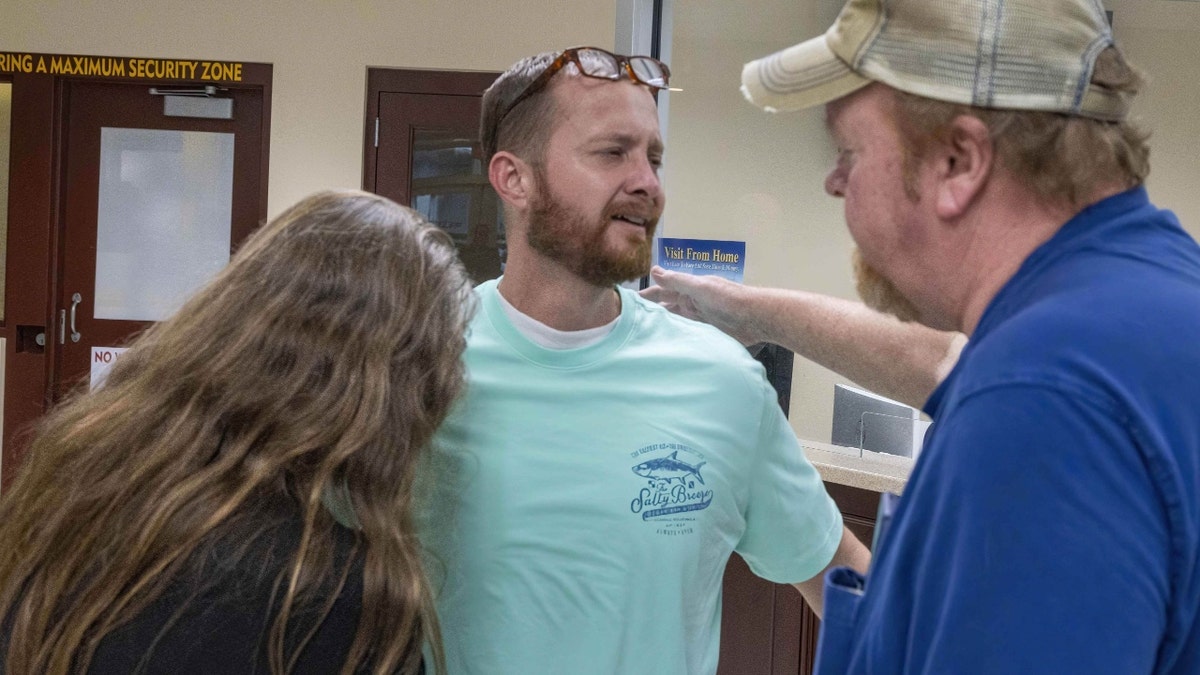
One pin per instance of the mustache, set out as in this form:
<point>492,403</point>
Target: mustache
<point>647,210</point>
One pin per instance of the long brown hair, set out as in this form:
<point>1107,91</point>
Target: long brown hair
<point>321,360</point>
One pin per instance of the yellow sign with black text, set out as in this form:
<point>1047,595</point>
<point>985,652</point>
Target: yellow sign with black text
<point>109,66</point>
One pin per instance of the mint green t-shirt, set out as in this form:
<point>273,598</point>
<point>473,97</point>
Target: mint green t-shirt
<point>582,504</point>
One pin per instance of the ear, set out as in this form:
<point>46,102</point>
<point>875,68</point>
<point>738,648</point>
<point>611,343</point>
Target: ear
<point>964,165</point>
<point>512,178</point>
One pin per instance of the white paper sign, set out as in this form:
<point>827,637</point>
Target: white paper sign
<point>102,360</point>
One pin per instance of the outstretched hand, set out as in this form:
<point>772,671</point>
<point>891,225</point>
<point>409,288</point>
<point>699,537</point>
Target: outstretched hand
<point>713,300</point>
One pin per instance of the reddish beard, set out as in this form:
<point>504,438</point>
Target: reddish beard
<point>880,294</point>
<point>579,243</point>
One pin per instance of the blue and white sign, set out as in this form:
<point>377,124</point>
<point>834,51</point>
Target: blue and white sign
<point>703,256</point>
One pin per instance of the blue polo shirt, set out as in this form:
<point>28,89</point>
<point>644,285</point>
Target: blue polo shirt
<point>1052,523</point>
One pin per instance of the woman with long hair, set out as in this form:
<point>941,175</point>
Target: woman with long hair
<point>180,517</point>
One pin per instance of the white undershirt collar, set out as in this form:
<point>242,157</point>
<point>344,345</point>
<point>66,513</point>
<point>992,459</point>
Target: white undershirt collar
<point>552,338</point>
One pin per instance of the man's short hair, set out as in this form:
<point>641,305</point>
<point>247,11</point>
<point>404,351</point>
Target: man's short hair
<point>526,128</point>
<point>1062,159</point>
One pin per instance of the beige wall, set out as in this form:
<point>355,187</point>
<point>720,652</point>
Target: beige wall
<point>733,172</point>
<point>320,50</point>
<point>1161,37</point>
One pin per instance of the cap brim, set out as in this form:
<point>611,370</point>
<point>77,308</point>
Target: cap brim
<point>806,75</point>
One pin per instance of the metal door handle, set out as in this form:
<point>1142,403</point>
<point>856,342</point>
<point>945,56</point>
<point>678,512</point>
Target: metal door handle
<point>75,300</point>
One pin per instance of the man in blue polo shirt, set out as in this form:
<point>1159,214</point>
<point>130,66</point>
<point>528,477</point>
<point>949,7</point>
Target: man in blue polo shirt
<point>994,186</point>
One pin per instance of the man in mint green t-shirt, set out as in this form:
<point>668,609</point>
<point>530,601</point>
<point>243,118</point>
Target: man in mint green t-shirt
<point>608,456</point>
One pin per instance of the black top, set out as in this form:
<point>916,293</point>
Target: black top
<point>215,617</point>
<point>229,608</point>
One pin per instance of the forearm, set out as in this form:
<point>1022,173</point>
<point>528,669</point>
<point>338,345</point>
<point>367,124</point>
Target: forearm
<point>900,360</point>
<point>850,553</point>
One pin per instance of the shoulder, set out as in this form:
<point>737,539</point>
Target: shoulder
<point>686,333</point>
<point>682,343</point>
<point>1109,340</point>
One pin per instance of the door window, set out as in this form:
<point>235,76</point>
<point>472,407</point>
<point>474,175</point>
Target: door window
<point>450,189</point>
<point>163,218</point>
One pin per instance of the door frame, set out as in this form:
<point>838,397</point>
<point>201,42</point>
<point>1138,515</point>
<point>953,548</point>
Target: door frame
<point>411,81</point>
<point>36,199</point>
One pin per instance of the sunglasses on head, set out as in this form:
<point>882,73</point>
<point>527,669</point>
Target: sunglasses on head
<point>600,64</point>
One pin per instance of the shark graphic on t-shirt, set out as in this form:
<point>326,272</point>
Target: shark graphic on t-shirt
<point>669,468</point>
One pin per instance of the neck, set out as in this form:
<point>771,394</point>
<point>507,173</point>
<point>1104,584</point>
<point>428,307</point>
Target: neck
<point>998,247</point>
<point>543,290</point>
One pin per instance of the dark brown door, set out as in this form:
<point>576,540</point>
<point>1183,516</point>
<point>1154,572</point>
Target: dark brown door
<point>61,216</point>
<point>153,205</point>
<point>423,151</point>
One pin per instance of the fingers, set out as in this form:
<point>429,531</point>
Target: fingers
<point>662,291</point>
<point>675,281</point>
<point>676,291</point>
<point>656,294</point>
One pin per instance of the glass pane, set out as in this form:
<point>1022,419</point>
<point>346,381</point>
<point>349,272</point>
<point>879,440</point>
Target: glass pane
<point>449,210</point>
<point>163,218</point>
<point>5,136</point>
<point>442,155</point>
<point>451,190</point>
<point>888,433</point>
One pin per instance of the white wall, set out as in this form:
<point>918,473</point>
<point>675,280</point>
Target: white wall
<point>320,51</point>
<point>734,172</point>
